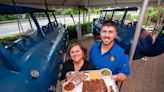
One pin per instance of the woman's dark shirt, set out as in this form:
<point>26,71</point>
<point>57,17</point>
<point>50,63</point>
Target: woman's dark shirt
<point>69,66</point>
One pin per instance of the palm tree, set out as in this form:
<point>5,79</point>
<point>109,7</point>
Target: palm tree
<point>155,15</point>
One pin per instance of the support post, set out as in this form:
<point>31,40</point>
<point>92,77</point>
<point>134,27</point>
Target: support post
<point>55,18</point>
<point>138,29</point>
<point>89,14</point>
<point>49,20</point>
<point>106,15</point>
<point>30,23</point>
<point>112,15</point>
<point>123,18</point>
<point>83,15</point>
<point>78,28</point>
<point>40,31</point>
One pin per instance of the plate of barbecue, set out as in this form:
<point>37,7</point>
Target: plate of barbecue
<point>92,81</point>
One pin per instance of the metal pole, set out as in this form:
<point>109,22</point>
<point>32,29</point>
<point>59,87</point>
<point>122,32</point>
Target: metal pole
<point>55,18</point>
<point>30,22</point>
<point>18,24</point>
<point>123,18</point>
<point>49,20</point>
<point>79,16</point>
<point>138,29</point>
<point>73,19</point>
<point>106,15</point>
<point>83,15</point>
<point>40,31</point>
<point>89,14</point>
<point>112,15</point>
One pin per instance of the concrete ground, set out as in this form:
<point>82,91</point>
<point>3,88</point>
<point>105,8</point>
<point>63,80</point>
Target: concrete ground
<point>147,75</point>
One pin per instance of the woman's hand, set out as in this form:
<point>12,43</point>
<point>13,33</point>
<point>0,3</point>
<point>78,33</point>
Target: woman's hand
<point>68,76</point>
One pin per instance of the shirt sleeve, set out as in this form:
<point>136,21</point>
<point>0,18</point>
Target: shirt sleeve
<point>123,66</point>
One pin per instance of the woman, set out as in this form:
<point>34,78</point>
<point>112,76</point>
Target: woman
<point>77,62</point>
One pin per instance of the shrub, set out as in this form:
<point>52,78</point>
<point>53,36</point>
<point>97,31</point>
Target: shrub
<point>86,27</point>
<point>6,40</point>
<point>72,32</point>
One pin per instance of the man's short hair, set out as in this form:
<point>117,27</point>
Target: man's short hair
<point>109,23</point>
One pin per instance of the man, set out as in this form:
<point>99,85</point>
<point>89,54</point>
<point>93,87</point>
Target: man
<point>107,54</point>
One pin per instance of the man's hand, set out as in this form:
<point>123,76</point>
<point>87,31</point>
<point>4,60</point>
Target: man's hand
<point>119,77</point>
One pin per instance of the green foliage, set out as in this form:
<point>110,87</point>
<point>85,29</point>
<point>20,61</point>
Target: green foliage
<point>128,16</point>
<point>108,16</point>
<point>162,31</point>
<point>40,15</point>
<point>153,14</point>
<point>131,18</point>
<point>58,12</point>
<point>86,27</point>
<point>75,11</point>
<point>117,17</point>
<point>70,11</point>
<point>134,17</point>
<point>6,40</point>
<point>72,32</point>
<point>66,11</point>
<point>95,10</point>
<point>152,11</point>
<point>7,17</point>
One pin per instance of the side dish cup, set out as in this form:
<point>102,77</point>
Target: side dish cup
<point>69,86</point>
<point>105,72</point>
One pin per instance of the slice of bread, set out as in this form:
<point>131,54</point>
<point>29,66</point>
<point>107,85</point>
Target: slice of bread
<point>94,74</point>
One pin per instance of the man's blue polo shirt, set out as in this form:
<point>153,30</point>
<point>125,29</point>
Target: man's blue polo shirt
<point>114,59</point>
